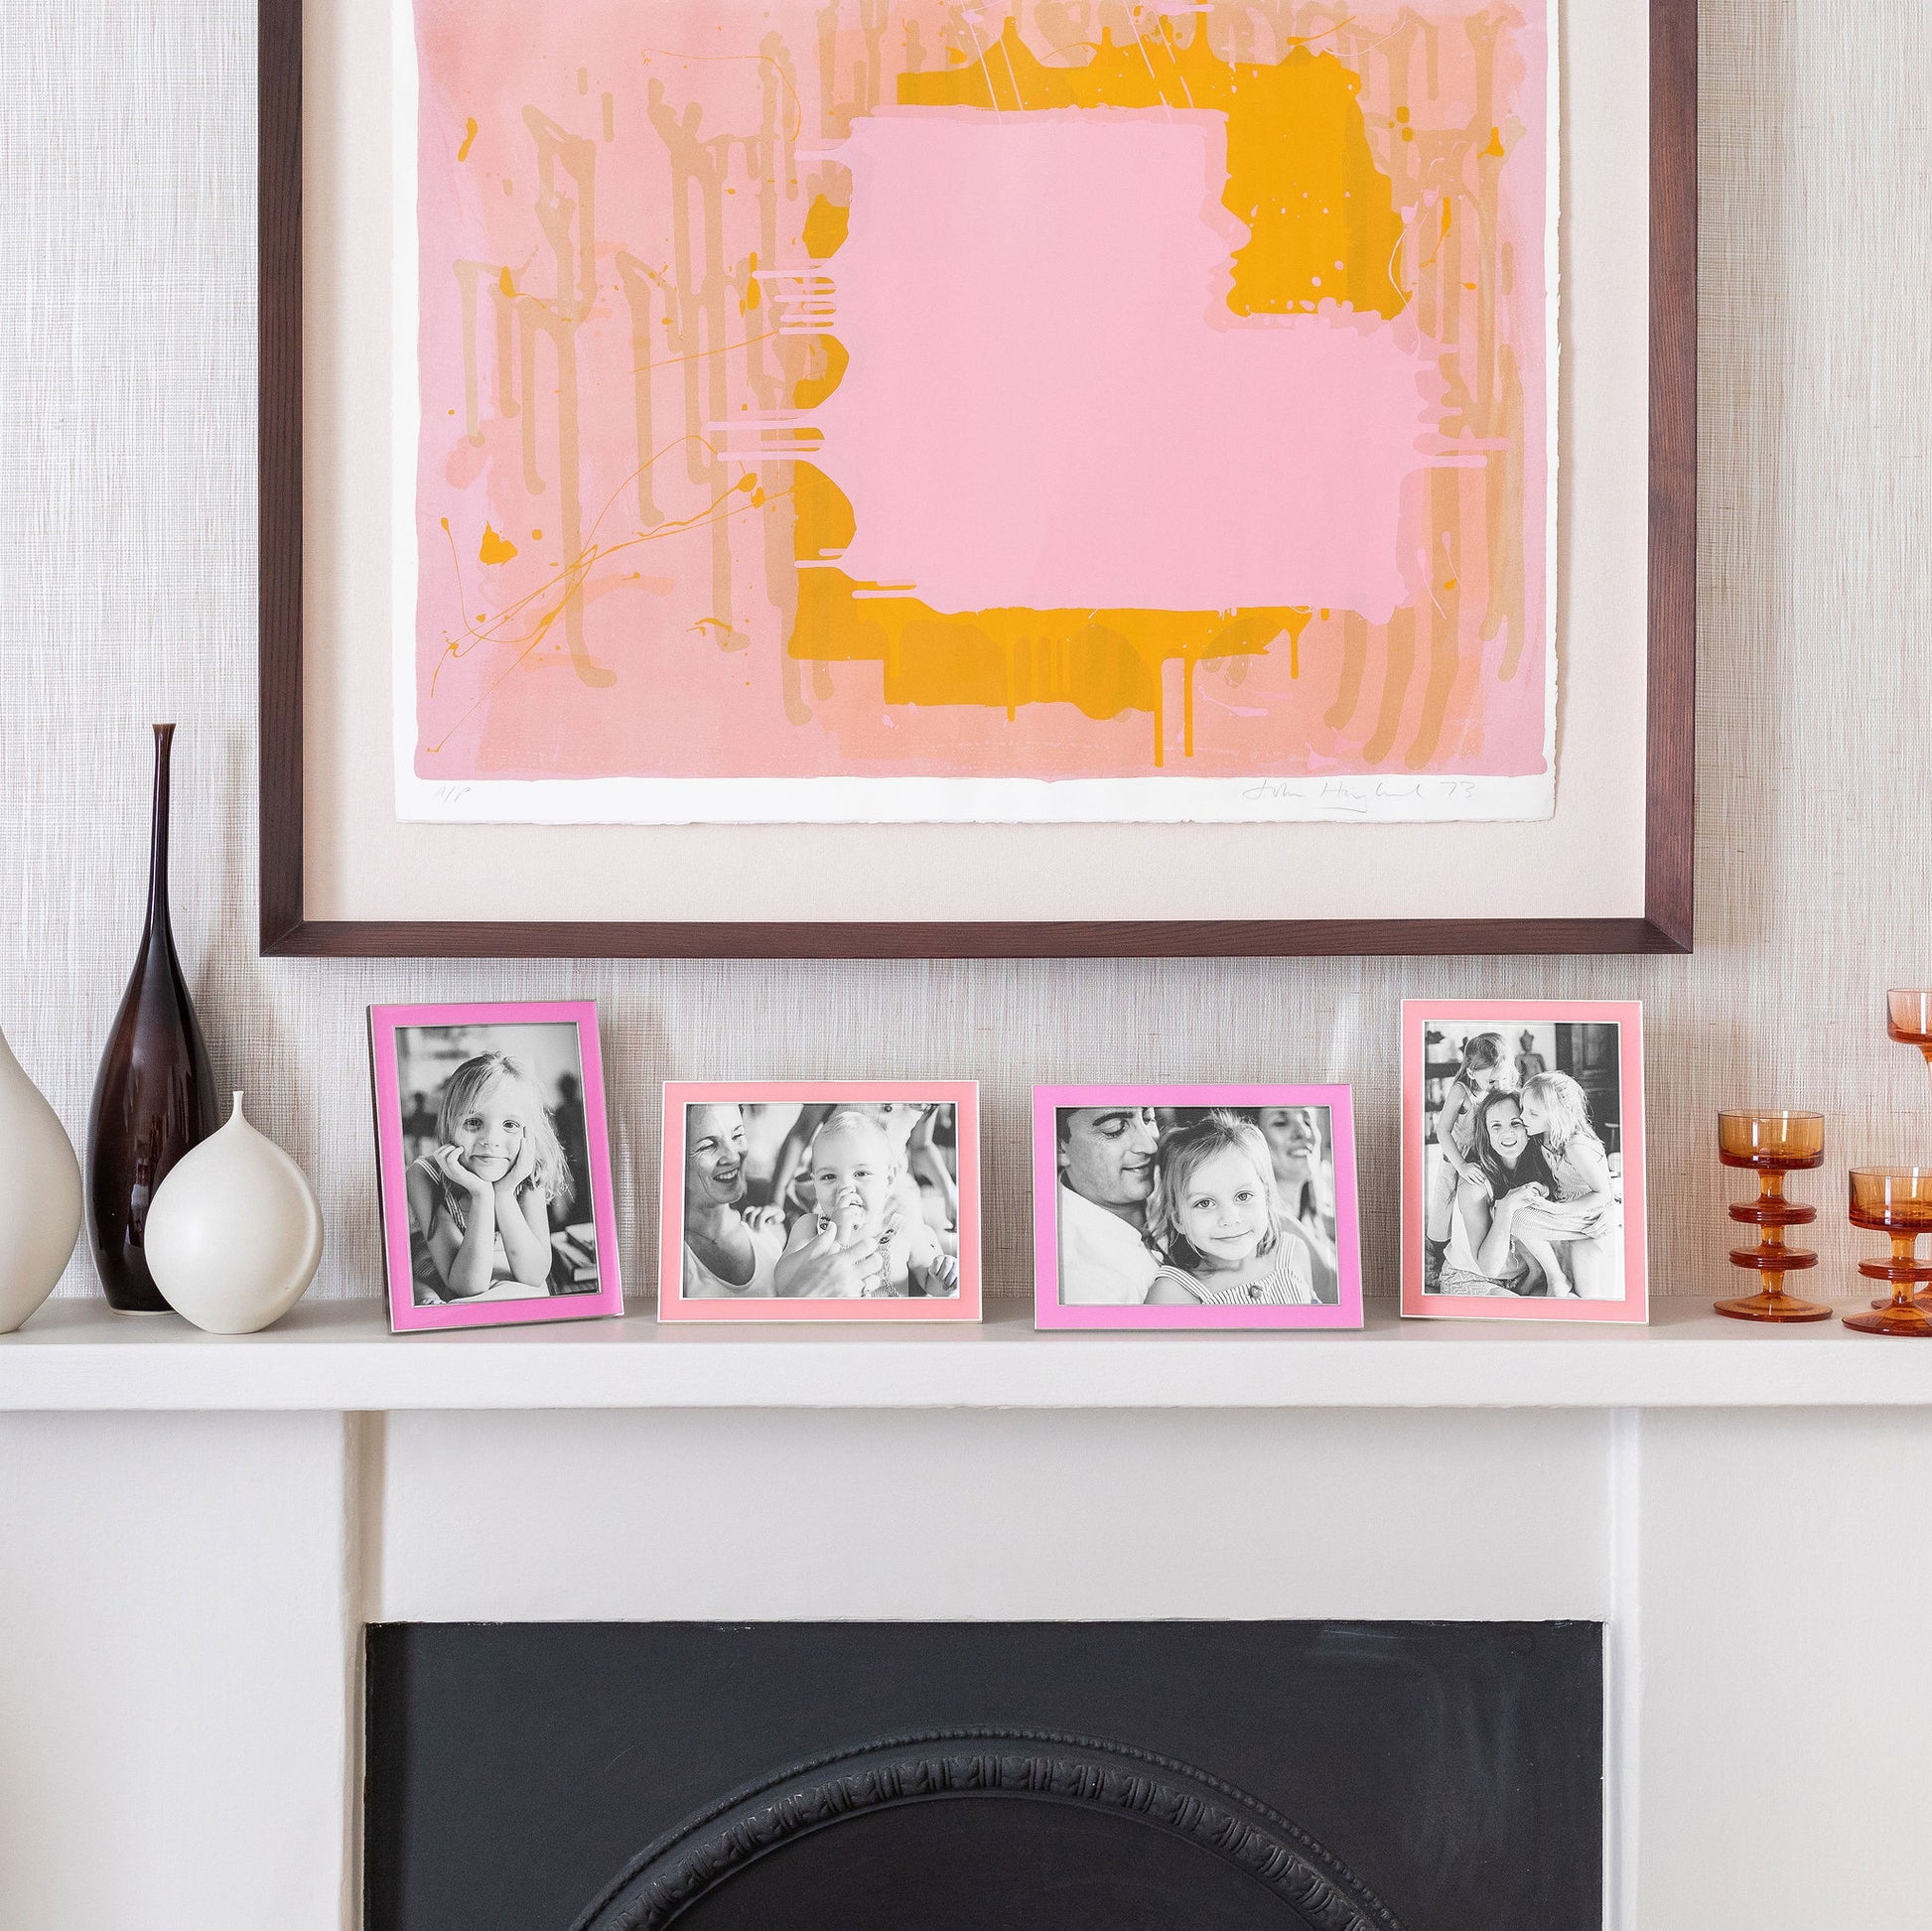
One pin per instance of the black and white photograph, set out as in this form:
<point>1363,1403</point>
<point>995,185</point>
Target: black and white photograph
<point>1187,1198</point>
<point>781,1196</point>
<point>1525,1129</point>
<point>501,1160</point>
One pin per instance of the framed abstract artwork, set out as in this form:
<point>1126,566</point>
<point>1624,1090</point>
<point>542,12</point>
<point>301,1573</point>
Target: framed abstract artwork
<point>1081,481</point>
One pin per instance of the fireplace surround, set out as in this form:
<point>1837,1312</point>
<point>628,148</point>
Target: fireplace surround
<point>1114,1776</point>
<point>262,1502</point>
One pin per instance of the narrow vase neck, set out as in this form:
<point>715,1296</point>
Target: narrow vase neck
<point>164,739</point>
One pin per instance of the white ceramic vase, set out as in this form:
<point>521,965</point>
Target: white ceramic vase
<point>40,1194</point>
<point>235,1234</point>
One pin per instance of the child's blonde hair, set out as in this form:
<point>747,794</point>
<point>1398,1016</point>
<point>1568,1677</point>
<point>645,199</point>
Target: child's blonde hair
<point>1567,1109</point>
<point>842,1120</point>
<point>1481,1051</point>
<point>465,1086</point>
<point>1180,1155</point>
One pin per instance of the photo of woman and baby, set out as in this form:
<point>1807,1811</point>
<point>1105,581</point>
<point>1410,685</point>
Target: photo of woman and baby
<point>1523,1159</point>
<point>851,1200</point>
<point>1195,1206</point>
<point>496,1162</point>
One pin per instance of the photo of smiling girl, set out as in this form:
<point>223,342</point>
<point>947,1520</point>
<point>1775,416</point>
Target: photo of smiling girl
<point>494,1164</point>
<point>480,1200</point>
<point>1215,1214</point>
<point>1162,1207</point>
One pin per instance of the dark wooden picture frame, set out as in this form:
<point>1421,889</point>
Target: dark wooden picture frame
<point>1669,823</point>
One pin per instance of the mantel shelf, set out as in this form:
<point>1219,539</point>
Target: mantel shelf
<point>339,1355</point>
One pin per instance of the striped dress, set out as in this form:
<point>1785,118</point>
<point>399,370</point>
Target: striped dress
<point>1288,1283</point>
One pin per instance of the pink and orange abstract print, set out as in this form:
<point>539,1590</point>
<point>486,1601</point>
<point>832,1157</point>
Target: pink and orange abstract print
<point>888,410</point>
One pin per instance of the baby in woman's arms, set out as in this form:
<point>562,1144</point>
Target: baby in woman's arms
<point>854,1178</point>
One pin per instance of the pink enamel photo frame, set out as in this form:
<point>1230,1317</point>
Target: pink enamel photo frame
<point>1578,1064</point>
<point>675,1304</point>
<point>583,1281</point>
<point>1053,1310</point>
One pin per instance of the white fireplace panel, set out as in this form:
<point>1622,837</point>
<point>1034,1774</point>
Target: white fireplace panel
<point>175,1689</point>
<point>1786,1710</point>
<point>760,1515</point>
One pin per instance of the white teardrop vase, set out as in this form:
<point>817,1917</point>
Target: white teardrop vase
<point>40,1194</point>
<point>235,1234</point>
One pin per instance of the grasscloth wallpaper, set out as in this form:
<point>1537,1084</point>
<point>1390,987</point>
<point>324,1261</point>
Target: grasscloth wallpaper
<point>127,560</point>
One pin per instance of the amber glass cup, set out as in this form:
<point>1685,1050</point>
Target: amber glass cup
<point>1894,1200</point>
<point>1771,1142</point>
<point>1909,1020</point>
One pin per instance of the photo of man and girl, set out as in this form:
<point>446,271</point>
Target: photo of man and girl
<point>1523,1159</point>
<point>840,1198</point>
<point>1195,1205</point>
<point>496,1162</point>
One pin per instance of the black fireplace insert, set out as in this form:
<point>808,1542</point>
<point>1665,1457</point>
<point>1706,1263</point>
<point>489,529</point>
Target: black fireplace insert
<point>1140,1776</point>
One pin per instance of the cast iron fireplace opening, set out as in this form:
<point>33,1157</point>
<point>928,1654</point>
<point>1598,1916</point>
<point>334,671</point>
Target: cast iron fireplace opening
<point>1142,1776</point>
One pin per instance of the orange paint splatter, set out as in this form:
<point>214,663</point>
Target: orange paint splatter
<point>495,549</point>
<point>826,224</point>
<point>468,138</point>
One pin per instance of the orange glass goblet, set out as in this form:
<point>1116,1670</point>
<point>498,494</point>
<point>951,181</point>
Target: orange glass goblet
<point>1894,1200</point>
<point>1772,1141</point>
<point>1909,1020</point>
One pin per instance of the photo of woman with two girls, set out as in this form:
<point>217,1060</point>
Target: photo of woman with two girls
<point>1523,1159</point>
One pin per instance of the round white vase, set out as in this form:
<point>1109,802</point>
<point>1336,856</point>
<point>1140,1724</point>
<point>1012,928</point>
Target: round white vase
<point>40,1194</point>
<point>235,1234</point>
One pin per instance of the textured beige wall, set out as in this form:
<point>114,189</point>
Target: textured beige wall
<point>127,594</point>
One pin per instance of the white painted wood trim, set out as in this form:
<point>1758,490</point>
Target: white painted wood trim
<point>339,1355</point>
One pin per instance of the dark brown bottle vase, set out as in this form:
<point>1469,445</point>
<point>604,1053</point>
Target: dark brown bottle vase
<point>155,1096</point>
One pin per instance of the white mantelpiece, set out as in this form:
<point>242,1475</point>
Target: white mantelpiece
<point>183,1590</point>
<point>340,1356</point>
